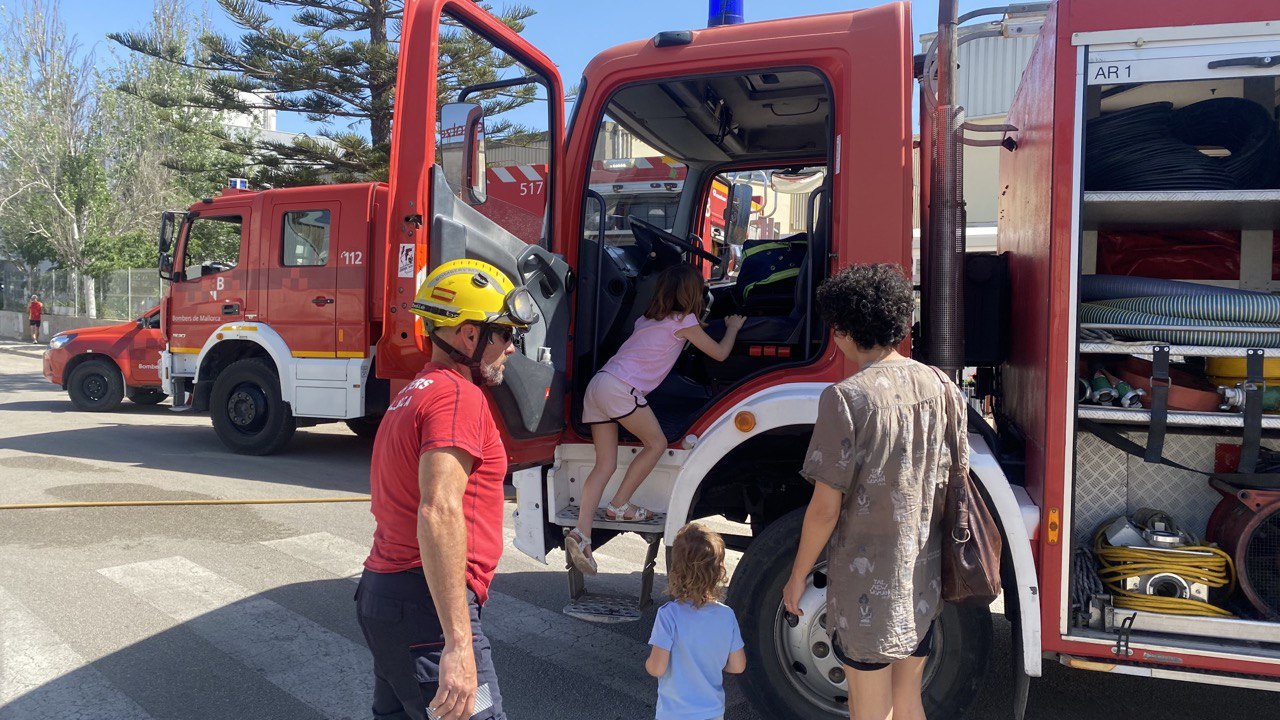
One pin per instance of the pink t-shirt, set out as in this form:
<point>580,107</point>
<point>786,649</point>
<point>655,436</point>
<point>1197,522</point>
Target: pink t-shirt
<point>648,355</point>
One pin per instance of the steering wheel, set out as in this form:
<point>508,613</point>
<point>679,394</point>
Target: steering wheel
<point>670,239</point>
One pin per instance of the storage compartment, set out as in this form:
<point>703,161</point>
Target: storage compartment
<point>1181,182</point>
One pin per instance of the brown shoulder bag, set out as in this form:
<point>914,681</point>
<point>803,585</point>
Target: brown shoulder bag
<point>971,545</point>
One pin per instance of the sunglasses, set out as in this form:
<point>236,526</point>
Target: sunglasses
<point>505,333</point>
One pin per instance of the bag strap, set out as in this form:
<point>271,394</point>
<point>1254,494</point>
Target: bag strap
<point>957,479</point>
<point>1124,444</point>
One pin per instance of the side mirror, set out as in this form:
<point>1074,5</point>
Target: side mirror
<point>165,243</point>
<point>462,151</point>
<point>737,213</point>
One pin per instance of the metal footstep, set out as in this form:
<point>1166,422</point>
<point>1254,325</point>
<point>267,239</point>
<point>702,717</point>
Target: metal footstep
<point>613,608</point>
<point>605,608</point>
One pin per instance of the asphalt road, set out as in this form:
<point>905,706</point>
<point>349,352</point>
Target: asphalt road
<point>245,611</point>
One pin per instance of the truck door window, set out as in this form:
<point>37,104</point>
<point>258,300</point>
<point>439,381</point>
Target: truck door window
<point>517,150</point>
<point>636,180</point>
<point>306,238</point>
<point>212,246</point>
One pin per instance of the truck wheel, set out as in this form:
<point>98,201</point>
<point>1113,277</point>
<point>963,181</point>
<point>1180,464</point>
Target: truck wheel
<point>95,386</point>
<point>248,412</point>
<point>366,427</point>
<point>145,396</point>
<point>791,672</point>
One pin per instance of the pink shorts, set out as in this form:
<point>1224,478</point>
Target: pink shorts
<point>609,399</point>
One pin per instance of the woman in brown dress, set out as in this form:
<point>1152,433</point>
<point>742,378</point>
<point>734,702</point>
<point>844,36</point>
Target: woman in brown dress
<point>879,461</point>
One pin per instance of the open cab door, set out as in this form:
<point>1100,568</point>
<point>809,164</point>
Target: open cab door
<point>440,211</point>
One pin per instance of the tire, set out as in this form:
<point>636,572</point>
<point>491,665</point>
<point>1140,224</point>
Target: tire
<point>366,427</point>
<point>95,386</point>
<point>249,415</point>
<point>145,396</point>
<point>772,682</point>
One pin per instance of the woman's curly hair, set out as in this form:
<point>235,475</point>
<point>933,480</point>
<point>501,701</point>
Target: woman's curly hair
<point>697,572</point>
<point>872,304</point>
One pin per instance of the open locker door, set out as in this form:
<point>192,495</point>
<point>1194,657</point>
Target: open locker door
<point>433,222</point>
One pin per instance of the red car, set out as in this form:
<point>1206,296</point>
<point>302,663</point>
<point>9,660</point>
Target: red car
<point>100,366</point>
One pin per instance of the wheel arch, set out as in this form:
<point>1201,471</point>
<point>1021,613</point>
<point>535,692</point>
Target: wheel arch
<point>238,342</point>
<point>778,407</point>
<point>1018,518</point>
<point>84,357</point>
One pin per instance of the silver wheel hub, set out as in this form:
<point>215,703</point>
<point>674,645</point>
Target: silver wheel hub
<point>807,655</point>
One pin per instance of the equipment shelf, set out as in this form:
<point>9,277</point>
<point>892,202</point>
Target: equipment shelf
<point>1218,209</point>
<point>1177,418</point>
<point>1144,348</point>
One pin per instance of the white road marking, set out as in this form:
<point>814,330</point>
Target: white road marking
<point>596,653</point>
<point>319,667</point>
<point>42,678</point>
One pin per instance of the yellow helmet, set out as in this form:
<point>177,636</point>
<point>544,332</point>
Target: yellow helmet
<point>462,291</point>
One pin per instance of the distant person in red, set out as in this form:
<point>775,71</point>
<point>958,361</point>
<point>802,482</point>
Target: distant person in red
<point>35,309</point>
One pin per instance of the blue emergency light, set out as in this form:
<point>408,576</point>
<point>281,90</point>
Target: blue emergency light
<point>238,183</point>
<point>725,12</point>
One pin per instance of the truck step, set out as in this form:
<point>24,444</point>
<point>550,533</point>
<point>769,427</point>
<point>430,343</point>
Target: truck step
<point>568,517</point>
<point>604,608</point>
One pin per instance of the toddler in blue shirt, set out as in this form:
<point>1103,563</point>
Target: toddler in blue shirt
<point>695,638</point>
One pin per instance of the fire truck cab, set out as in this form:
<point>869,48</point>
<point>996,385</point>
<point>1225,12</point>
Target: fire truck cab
<point>268,319</point>
<point>786,103</point>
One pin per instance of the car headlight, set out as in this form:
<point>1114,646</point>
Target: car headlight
<point>59,340</point>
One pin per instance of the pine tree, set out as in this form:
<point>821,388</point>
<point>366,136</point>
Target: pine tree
<point>334,62</point>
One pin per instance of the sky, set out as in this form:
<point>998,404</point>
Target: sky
<point>570,32</point>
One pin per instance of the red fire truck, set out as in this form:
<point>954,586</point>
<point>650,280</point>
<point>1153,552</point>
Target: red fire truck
<point>825,102</point>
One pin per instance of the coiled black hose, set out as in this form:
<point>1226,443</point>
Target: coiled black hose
<point>1154,147</point>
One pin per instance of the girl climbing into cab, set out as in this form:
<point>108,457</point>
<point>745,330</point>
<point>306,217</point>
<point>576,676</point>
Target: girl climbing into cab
<point>616,395</point>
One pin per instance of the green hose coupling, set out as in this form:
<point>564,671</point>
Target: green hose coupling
<point>1130,396</point>
<point>1103,393</point>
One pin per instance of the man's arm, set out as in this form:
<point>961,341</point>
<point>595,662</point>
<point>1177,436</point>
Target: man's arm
<point>442,543</point>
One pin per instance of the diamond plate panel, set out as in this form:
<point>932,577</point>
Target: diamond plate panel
<point>1186,496</point>
<point>1110,483</point>
<point>1101,487</point>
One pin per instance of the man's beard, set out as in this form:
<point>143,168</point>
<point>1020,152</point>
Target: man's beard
<point>491,375</point>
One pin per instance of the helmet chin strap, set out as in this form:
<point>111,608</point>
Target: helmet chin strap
<point>474,361</point>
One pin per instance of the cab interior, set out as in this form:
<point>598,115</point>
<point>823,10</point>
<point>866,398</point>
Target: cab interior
<point>769,131</point>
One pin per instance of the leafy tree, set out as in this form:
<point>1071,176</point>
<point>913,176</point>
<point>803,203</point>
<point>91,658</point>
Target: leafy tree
<point>50,150</point>
<point>333,62</point>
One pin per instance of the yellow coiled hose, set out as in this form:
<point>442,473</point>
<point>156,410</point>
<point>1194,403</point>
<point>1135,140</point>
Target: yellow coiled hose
<point>1210,566</point>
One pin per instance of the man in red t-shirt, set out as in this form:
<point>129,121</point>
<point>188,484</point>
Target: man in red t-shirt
<point>436,486</point>
<point>35,310</point>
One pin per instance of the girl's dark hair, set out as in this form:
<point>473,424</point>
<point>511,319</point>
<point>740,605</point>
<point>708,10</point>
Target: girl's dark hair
<point>697,571</point>
<point>679,291</point>
<point>872,304</point>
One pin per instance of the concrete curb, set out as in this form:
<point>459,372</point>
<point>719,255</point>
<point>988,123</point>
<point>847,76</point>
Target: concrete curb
<point>28,350</point>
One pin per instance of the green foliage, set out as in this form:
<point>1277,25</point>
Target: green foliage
<point>332,61</point>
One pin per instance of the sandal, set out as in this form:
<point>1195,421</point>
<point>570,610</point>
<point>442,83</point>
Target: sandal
<point>578,548</point>
<point>626,512</point>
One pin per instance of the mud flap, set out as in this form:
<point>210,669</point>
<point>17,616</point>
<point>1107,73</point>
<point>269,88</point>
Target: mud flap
<point>530,514</point>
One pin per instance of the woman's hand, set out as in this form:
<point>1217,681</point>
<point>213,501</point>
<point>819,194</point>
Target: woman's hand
<point>734,322</point>
<point>792,592</point>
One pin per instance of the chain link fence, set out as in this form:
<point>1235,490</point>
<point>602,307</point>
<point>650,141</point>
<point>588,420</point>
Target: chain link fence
<point>119,295</point>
